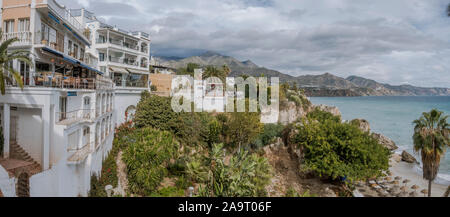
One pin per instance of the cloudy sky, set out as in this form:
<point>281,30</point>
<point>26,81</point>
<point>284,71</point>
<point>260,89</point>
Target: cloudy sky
<point>392,41</point>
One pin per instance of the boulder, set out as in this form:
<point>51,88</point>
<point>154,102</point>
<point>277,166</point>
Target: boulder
<point>290,113</point>
<point>407,157</point>
<point>385,141</point>
<point>329,193</point>
<point>331,109</point>
<point>362,124</point>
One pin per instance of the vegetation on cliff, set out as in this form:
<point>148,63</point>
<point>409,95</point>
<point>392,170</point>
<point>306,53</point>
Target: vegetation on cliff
<point>339,150</point>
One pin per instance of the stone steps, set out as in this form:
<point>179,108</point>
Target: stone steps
<point>19,153</point>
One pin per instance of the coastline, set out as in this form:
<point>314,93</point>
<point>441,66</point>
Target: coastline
<point>408,171</point>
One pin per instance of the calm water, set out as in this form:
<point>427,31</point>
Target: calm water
<point>392,116</point>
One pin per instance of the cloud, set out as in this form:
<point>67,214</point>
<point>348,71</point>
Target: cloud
<point>403,41</point>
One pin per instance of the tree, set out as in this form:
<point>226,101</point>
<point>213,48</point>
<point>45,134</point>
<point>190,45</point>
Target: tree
<point>7,72</point>
<point>243,128</point>
<point>431,136</point>
<point>339,150</point>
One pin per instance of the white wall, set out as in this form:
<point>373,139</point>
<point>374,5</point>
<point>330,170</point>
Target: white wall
<point>29,131</point>
<point>124,98</point>
<point>7,185</point>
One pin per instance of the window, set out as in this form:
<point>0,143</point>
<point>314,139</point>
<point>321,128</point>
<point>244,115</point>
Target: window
<point>87,101</point>
<point>101,57</point>
<point>86,131</point>
<point>81,54</point>
<point>24,25</point>
<point>69,47</point>
<point>8,26</point>
<point>75,50</point>
<point>103,69</point>
<point>62,108</point>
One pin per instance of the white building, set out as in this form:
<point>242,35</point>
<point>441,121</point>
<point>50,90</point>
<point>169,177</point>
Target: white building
<point>59,128</point>
<point>123,56</point>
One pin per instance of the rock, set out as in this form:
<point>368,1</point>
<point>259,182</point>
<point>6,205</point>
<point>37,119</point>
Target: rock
<point>331,109</point>
<point>290,113</point>
<point>385,141</point>
<point>329,193</point>
<point>396,157</point>
<point>362,124</point>
<point>407,157</point>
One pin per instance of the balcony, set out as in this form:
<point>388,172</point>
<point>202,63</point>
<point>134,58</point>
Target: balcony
<point>78,155</point>
<point>65,14</point>
<point>127,62</point>
<point>120,44</point>
<point>67,118</point>
<point>24,38</point>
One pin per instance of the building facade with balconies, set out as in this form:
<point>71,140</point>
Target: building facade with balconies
<point>123,56</point>
<point>57,129</point>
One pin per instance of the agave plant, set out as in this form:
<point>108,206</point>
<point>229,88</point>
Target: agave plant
<point>431,136</point>
<point>7,72</point>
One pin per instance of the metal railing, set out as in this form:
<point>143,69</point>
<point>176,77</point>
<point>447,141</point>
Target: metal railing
<point>24,38</point>
<point>65,14</point>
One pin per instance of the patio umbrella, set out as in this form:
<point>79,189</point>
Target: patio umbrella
<point>413,194</point>
<point>402,194</point>
<point>424,192</point>
<point>388,179</point>
<point>415,187</point>
<point>406,181</point>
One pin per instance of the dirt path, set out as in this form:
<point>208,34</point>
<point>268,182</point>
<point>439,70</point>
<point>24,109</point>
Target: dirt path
<point>122,175</point>
<point>285,172</point>
<point>287,176</point>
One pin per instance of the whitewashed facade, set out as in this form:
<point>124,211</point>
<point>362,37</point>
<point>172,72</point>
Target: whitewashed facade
<point>60,127</point>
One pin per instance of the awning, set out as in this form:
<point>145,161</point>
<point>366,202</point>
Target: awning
<point>91,69</point>
<point>54,52</point>
<point>70,59</point>
<point>134,71</point>
<point>53,17</point>
<point>118,70</point>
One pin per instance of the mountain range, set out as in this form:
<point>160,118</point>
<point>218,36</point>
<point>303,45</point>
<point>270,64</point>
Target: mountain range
<point>314,85</point>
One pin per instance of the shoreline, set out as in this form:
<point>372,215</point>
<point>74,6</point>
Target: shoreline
<point>408,171</point>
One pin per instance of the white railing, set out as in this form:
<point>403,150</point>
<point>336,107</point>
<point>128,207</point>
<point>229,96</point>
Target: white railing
<point>24,38</point>
<point>74,116</point>
<point>65,14</point>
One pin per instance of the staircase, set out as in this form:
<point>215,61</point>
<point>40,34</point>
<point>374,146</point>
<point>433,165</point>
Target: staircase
<point>17,152</point>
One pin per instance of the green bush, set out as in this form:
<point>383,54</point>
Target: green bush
<point>147,157</point>
<point>268,134</point>
<point>322,116</point>
<point>336,150</point>
<point>156,112</point>
<point>246,175</point>
<point>169,191</point>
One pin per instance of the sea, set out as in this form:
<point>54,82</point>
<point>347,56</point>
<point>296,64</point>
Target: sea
<point>392,116</point>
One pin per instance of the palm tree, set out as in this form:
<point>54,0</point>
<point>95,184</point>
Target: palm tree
<point>431,136</point>
<point>7,72</point>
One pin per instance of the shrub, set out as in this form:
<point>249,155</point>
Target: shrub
<point>269,133</point>
<point>147,157</point>
<point>246,175</point>
<point>153,88</point>
<point>322,116</point>
<point>155,111</point>
<point>242,128</point>
<point>337,150</point>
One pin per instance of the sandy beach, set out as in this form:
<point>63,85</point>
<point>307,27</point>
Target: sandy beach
<point>399,172</point>
<point>407,171</point>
